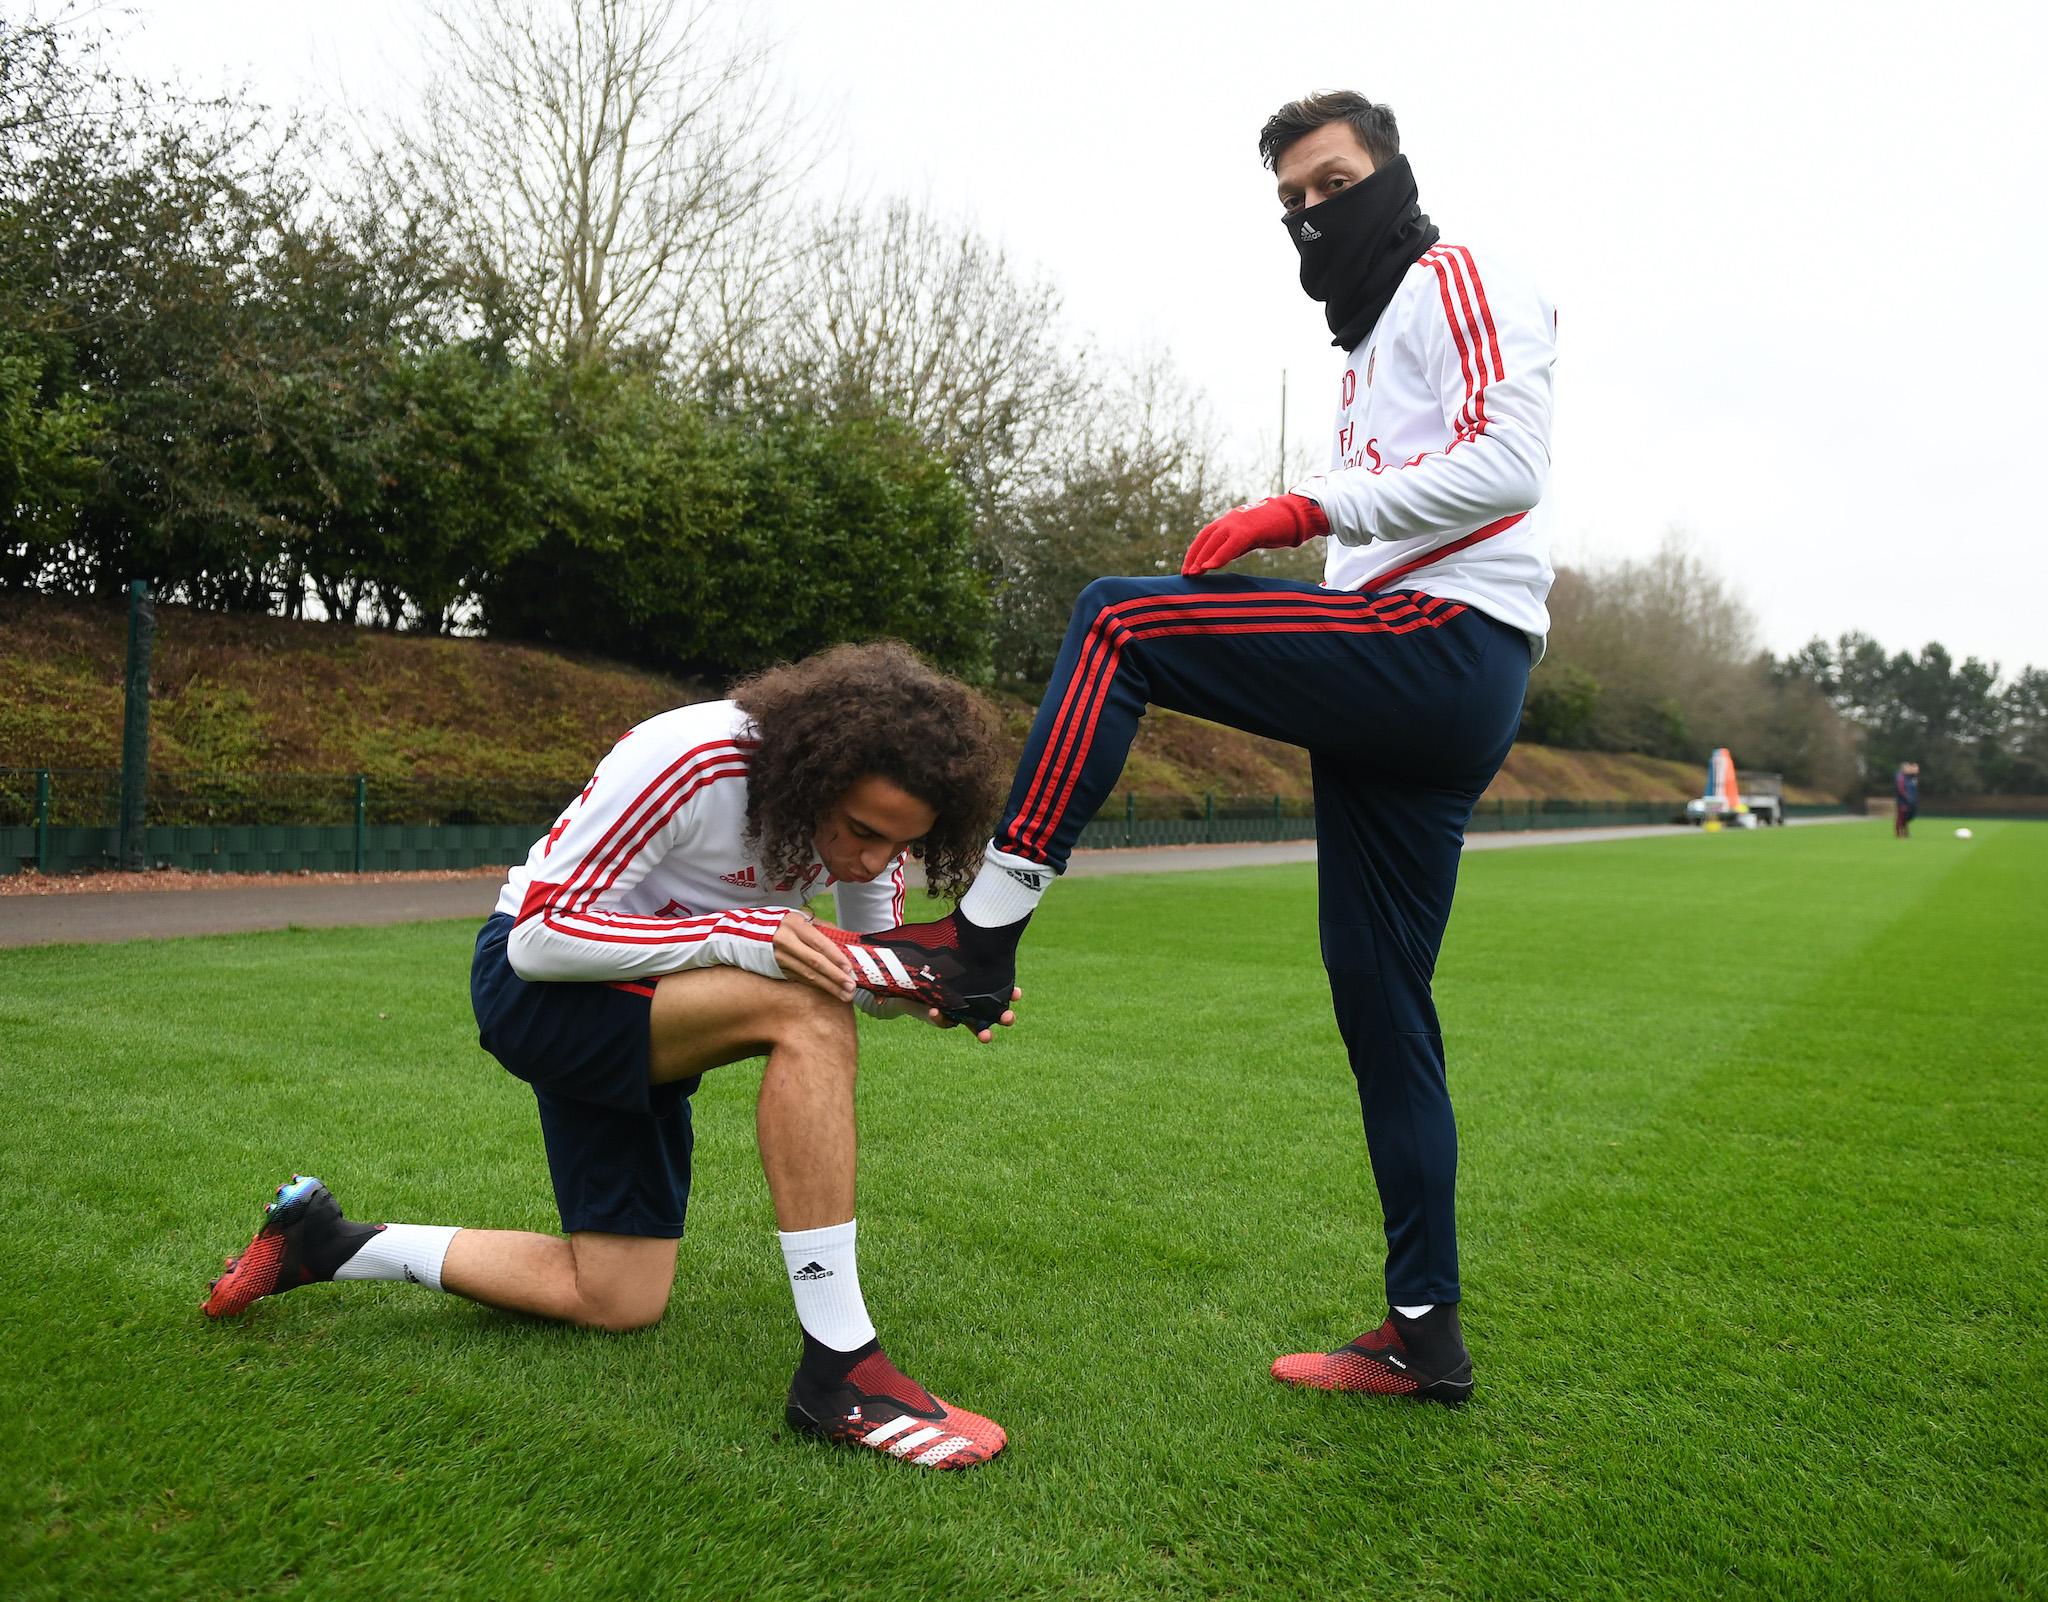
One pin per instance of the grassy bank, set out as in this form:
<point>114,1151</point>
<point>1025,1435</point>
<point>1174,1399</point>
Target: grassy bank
<point>242,694</point>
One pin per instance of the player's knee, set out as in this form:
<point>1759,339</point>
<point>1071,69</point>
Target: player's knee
<point>619,1285</point>
<point>1103,593</point>
<point>624,1320</point>
<point>827,1039</point>
<point>807,1017</point>
<point>621,1309</point>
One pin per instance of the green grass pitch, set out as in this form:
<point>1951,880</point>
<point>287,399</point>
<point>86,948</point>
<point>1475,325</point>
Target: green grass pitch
<point>1754,1165</point>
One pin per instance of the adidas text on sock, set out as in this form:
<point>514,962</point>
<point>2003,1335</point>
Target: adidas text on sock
<point>825,1281</point>
<point>1005,891</point>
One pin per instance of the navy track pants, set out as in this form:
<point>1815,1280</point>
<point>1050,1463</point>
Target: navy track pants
<point>1407,705</point>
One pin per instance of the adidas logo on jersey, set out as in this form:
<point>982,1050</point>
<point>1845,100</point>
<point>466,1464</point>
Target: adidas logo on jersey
<point>812,1271</point>
<point>743,877</point>
<point>1308,231</point>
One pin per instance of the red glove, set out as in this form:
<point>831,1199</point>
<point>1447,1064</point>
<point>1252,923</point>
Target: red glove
<point>1276,524</point>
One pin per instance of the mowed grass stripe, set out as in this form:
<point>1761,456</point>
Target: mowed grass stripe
<point>1753,1155</point>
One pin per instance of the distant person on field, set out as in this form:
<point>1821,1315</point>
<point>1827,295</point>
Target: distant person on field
<point>1905,798</point>
<point>1403,674</point>
<point>655,932</point>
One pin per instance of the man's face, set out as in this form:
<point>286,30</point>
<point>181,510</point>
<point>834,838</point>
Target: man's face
<point>1319,164</point>
<point>865,830</point>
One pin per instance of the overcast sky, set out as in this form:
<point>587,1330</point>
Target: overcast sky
<point>1792,247</point>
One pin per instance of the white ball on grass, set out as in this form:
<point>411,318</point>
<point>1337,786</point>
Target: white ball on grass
<point>1962,834</point>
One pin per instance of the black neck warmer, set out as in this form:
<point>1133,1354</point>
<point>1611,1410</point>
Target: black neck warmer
<point>1356,246</point>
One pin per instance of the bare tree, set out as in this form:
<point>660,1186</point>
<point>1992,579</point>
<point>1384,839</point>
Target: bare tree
<point>921,316</point>
<point>1079,462</point>
<point>610,160</point>
<point>1660,654</point>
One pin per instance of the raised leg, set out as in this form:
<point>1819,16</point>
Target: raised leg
<point>1328,670</point>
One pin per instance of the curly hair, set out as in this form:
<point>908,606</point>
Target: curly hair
<point>834,718</point>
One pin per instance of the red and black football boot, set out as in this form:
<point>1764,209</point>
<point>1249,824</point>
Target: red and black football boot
<point>304,1239</point>
<point>1421,1358</point>
<point>965,971</point>
<point>875,1405</point>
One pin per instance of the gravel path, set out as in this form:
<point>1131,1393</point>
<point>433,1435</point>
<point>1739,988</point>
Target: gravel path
<point>158,906</point>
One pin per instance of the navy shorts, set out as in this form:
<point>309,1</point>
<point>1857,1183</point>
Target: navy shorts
<point>618,1146</point>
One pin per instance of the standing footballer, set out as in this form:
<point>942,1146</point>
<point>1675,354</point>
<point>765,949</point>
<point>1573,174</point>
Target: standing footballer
<point>1402,674</point>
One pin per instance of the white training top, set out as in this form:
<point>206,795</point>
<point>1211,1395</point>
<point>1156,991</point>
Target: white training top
<point>1442,447</point>
<point>648,872</point>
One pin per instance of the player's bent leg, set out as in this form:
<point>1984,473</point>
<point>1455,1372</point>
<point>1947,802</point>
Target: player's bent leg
<point>846,1390</point>
<point>606,1278</point>
<point>617,1281</point>
<point>805,1119</point>
<point>599,1281</point>
<point>1273,657</point>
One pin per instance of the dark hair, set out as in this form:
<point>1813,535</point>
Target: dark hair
<point>831,720</point>
<point>1374,125</point>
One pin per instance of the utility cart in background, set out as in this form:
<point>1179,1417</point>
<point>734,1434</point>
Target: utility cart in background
<point>1734,802</point>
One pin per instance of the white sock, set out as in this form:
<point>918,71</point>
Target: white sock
<point>826,1284</point>
<point>412,1252</point>
<point>1005,891</point>
<point>1415,1312</point>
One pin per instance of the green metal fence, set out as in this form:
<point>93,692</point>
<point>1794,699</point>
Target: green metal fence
<point>64,820</point>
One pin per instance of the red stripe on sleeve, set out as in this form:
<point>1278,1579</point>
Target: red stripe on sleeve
<point>612,929</point>
<point>1485,311</point>
<point>1475,395</point>
<point>1443,289</point>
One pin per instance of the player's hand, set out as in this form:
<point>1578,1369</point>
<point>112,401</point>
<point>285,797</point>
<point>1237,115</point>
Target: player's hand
<point>804,953</point>
<point>939,1020</point>
<point>1274,524</point>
